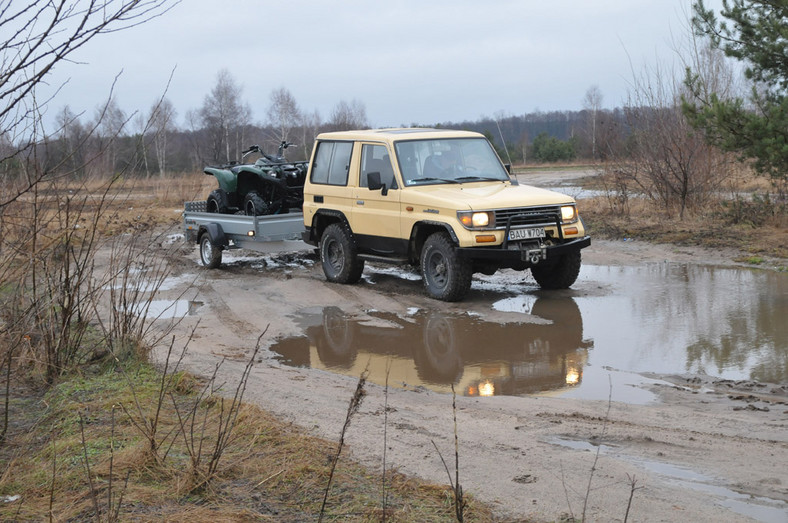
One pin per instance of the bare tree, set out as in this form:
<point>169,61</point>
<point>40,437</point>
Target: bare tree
<point>36,37</point>
<point>283,113</point>
<point>310,127</point>
<point>162,124</point>
<point>592,102</point>
<point>110,121</point>
<point>222,114</point>
<point>347,116</point>
<point>668,161</point>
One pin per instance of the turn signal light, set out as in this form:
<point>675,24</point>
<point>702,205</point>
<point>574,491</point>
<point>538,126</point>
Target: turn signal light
<point>485,238</point>
<point>570,230</point>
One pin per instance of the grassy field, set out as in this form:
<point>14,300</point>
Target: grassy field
<point>105,444</point>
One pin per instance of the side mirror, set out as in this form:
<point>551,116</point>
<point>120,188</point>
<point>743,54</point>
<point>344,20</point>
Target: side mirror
<point>374,183</point>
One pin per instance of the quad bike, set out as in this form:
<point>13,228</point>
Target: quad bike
<point>271,185</point>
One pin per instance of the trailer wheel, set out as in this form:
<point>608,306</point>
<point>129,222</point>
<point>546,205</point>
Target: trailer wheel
<point>446,276</point>
<point>217,202</point>
<point>210,256</point>
<point>338,255</point>
<point>560,274</point>
<point>254,204</point>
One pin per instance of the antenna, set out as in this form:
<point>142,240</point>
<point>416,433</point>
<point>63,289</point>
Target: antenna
<point>509,158</point>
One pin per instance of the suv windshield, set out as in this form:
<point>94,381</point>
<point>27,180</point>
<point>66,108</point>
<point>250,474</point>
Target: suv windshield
<point>448,160</point>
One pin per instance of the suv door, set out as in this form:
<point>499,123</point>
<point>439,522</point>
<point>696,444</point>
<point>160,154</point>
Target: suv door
<point>376,213</point>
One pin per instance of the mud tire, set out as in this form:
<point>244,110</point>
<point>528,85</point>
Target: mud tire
<point>560,274</point>
<point>447,276</point>
<point>217,202</point>
<point>254,204</point>
<point>339,255</point>
<point>210,255</point>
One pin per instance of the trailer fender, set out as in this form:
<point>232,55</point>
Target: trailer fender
<point>215,233</point>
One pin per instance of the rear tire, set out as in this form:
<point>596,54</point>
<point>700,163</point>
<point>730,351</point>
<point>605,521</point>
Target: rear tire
<point>339,256</point>
<point>254,204</point>
<point>210,256</point>
<point>447,276</point>
<point>560,274</point>
<point>217,202</point>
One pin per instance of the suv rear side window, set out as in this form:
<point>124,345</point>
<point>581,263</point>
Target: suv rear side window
<point>331,164</point>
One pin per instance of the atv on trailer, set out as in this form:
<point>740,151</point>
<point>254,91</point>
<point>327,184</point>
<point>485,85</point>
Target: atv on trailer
<point>271,185</point>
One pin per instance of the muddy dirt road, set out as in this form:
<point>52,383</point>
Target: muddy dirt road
<point>707,450</point>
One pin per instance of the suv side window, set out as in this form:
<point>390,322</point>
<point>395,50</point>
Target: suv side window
<point>331,164</point>
<point>375,158</point>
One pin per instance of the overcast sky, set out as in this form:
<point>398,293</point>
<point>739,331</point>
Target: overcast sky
<point>407,61</point>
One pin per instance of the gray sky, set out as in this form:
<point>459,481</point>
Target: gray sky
<point>408,61</point>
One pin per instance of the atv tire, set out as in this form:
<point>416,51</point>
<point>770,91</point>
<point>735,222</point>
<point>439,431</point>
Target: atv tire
<point>217,202</point>
<point>254,204</point>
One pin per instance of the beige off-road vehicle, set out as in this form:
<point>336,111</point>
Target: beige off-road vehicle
<point>438,199</point>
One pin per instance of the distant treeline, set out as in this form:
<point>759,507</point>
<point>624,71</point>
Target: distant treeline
<point>88,150</point>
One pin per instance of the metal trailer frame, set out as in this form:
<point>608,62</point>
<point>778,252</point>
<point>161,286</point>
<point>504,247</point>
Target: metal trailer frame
<point>238,231</point>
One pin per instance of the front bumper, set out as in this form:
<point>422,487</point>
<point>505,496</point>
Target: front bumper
<point>515,255</point>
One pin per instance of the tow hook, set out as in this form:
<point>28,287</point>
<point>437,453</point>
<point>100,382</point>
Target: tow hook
<point>536,255</point>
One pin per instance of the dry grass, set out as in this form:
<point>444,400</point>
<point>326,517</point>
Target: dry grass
<point>645,223</point>
<point>271,472</point>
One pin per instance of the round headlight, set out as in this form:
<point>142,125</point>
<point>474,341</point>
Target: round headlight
<point>481,219</point>
<point>568,213</point>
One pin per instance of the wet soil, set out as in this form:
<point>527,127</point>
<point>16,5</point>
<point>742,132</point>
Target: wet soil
<point>512,450</point>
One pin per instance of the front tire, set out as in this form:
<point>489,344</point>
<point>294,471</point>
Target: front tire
<point>210,256</point>
<point>560,274</point>
<point>339,256</point>
<point>447,276</point>
<point>254,204</point>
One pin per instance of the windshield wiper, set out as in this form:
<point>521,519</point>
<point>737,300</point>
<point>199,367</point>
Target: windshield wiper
<point>479,179</point>
<point>433,180</point>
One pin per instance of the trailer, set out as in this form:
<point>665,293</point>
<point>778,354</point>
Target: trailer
<point>215,232</point>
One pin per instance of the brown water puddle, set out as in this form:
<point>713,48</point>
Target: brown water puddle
<point>616,323</point>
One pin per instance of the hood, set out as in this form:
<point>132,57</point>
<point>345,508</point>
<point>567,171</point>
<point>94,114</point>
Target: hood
<point>483,196</point>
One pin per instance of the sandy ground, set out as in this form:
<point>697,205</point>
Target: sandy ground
<point>707,451</point>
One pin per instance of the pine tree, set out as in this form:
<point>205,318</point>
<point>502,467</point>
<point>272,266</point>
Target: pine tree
<point>754,32</point>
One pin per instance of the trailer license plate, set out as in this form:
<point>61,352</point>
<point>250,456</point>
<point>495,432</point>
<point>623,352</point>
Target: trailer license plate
<point>526,234</point>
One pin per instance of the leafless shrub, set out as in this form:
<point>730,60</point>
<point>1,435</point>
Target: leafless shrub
<point>459,499</point>
<point>632,488</point>
<point>352,408</point>
<point>138,267</point>
<point>666,160</point>
<point>146,417</point>
<point>111,511</point>
<point>206,433</point>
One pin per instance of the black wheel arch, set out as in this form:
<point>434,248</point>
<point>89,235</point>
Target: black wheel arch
<point>215,234</point>
<point>421,231</point>
<point>322,219</point>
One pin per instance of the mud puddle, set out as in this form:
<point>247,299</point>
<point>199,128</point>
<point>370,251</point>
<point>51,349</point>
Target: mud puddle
<point>757,507</point>
<point>591,342</point>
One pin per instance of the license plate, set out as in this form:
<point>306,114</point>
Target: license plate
<point>526,234</point>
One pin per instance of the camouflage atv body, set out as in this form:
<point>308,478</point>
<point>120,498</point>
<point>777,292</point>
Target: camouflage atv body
<point>271,185</point>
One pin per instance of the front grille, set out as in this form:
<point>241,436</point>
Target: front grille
<point>528,216</point>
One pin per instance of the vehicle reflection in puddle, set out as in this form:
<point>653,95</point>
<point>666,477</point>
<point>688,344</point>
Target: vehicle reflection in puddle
<point>757,507</point>
<point>546,352</point>
<point>661,318</point>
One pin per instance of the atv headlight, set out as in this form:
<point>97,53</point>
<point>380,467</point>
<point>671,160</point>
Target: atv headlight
<point>475,220</point>
<point>568,214</point>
